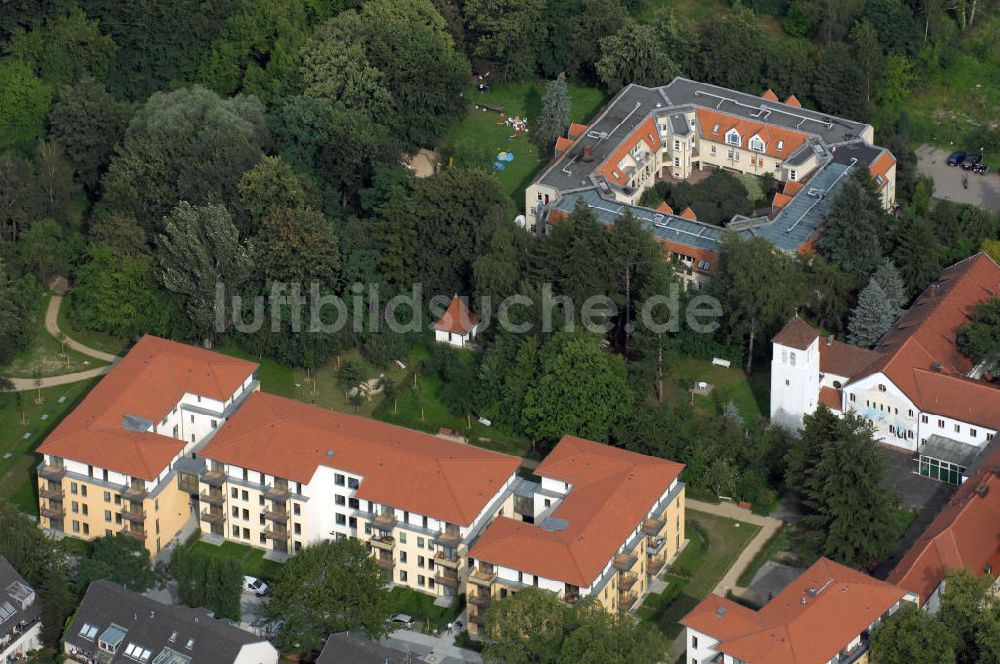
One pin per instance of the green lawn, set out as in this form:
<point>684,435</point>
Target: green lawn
<point>274,377</point>
<point>17,477</point>
<point>427,617</point>
<point>749,394</point>
<point>251,559</point>
<point>45,354</point>
<point>715,543</point>
<point>483,132</point>
<point>96,340</point>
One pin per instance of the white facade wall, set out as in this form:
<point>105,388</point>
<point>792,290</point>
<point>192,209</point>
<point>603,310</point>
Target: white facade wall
<point>23,644</point>
<point>700,647</point>
<point>514,576</point>
<point>261,652</point>
<point>794,383</point>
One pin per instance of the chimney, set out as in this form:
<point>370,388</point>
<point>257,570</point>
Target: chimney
<point>803,601</point>
<point>829,340</point>
<point>934,289</point>
<point>152,614</point>
<point>936,367</point>
<point>588,153</point>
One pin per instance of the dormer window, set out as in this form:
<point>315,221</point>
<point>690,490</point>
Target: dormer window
<point>781,146</point>
<point>715,129</point>
<point>756,144</point>
<point>733,137</point>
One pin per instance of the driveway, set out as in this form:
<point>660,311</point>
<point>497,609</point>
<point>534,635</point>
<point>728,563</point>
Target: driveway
<point>432,649</point>
<point>984,190</point>
<point>250,605</point>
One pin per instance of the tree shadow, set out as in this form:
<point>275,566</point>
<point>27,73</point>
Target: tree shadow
<point>532,104</point>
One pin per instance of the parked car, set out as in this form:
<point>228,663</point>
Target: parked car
<point>980,169</point>
<point>956,158</point>
<point>252,584</point>
<point>971,161</point>
<point>402,621</point>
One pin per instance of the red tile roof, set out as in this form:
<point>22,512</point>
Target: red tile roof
<point>769,95</point>
<point>791,188</point>
<point>808,622</point>
<point>830,396</point>
<point>563,144</point>
<point>965,534</point>
<point>663,207</point>
<point>842,359</point>
<point>796,334</point>
<point>576,130</point>
<point>881,166</point>
<point>457,318</point>
<point>688,213</point>
<point>771,134</point>
<point>646,133</point>
<point>149,382</point>
<point>793,101</point>
<point>402,468</point>
<point>920,356</point>
<point>780,200</point>
<point>612,492</point>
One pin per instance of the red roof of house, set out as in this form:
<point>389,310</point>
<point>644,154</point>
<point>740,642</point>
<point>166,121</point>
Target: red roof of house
<point>457,318</point>
<point>769,95</point>
<point>709,257</point>
<point>613,490</point>
<point>793,101</point>
<point>772,135</point>
<point>402,468</point>
<point>663,207</point>
<point>796,334</point>
<point>688,213</point>
<point>881,166</point>
<point>148,383</point>
<point>791,188</point>
<point>647,133</point>
<point>563,144</point>
<point>830,397</point>
<point>576,130</point>
<point>841,359</point>
<point>780,200</point>
<point>965,534</point>
<point>808,622</point>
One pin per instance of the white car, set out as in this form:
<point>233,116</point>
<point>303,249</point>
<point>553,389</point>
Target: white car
<point>252,584</point>
<point>401,620</point>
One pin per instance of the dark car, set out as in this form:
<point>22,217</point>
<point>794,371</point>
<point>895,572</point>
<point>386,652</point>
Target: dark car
<point>956,158</point>
<point>971,161</point>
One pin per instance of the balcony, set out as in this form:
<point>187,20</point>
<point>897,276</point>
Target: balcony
<point>278,516</point>
<point>280,534</point>
<point>137,533</point>
<point>385,522</point>
<point>656,547</point>
<point>445,560</point>
<point>384,542</point>
<point>213,517</point>
<point>447,578</point>
<point>653,526</point>
<point>277,493</point>
<point>626,582</point>
<point>483,578</point>
<point>480,599</point>
<point>214,478</point>
<point>571,598</point>
<point>55,473</point>
<point>52,492</point>
<point>655,565</point>
<point>626,600</point>
<point>213,497</point>
<point>386,563</point>
<point>51,511</point>
<point>136,493</point>
<point>623,562</point>
<point>449,538</point>
<point>133,515</point>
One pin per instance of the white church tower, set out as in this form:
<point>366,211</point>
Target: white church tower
<point>794,373</point>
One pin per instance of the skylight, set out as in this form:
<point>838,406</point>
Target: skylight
<point>88,631</point>
<point>6,611</point>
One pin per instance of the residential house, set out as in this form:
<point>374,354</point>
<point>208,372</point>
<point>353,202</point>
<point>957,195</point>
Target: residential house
<point>825,616</point>
<point>20,614</point>
<point>353,648</point>
<point>457,326</point>
<point>915,388</point>
<point>116,626</point>
<point>964,535</point>
<point>282,475</point>
<point>123,460</point>
<point>671,131</point>
<point>603,522</point>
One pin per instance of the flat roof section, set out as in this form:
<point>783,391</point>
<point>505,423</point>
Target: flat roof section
<point>952,451</point>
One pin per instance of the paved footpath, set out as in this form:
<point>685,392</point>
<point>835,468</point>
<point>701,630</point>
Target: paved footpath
<point>52,325</point>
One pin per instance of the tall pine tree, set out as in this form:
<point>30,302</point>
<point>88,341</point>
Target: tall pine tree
<point>554,119</point>
<point>874,314</point>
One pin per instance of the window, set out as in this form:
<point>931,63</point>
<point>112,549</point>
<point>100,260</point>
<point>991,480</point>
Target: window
<point>923,418</point>
<point>791,359</point>
<point>784,356</point>
<point>262,520</point>
<point>420,561</point>
<point>338,479</point>
<point>729,154</point>
<point>246,514</point>
<point>973,433</point>
<point>192,419</point>
<point>341,520</point>
<point>756,144</point>
<point>74,488</point>
<point>420,542</point>
<point>402,538</point>
<point>420,580</point>
<point>881,388</point>
<point>989,436</point>
<point>236,512</point>
<point>83,490</point>
<point>236,530</point>
<point>736,156</point>
<point>86,528</point>
<point>296,509</point>
<point>940,424</point>
<point>677,145</point>
<point>260,500</point>
<point>339,500</point>
<point>107,496</point>
<point>85,510</point>
<point>791,175</point>
<point>215,424</point>
<point>263,538</point>
<point>694,641</point>
<point>712,150</point>
<point>235,492</point>
<point>677,162</point>
<point>75,506</point>
<point>298,527</point>
<point>107,515</point>
<point>402,575</point>
<point>402,556</point>
<point>733,138</point>
<point>246,495</point>
<point>958,429</point>
<point>910,412</point>
<point>787,383</point>
<point>851,397</point>
<point>76,526</point>
<point>352,483</point>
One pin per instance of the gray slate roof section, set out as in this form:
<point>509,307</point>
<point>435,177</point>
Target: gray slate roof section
<point>155,626</point>
<point>14,590</point>
<point>349,648</point>
<point>831,129</point>
<point>680,124</point>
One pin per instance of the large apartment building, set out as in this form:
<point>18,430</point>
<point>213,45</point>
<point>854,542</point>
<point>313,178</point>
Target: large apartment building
<point>122,460</point>
<point>602,522</point>
<point>915,388</point>
<point>283,475</point>
<point>672,131</point>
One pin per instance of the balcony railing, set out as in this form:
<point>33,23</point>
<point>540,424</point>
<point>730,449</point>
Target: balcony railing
<point>137,533</point>
<point>277,493</point>
<point>449,538</point>
<point>136,516</point>
<point>626,600</point>
<point>213,497</point>
<point>213,517</point>
<point>280,534</point>
<point>52,512</point>
<point>385,522</point>
<point>483,578</point>
<point>50,472</point>
<point>278,516</point>
<point>626,582</point>
<point>52,492</point>
<point>653,526</point>
<point>446,560</point>
<point>447,578</point>
<point>482,600</point>
<point>386,563</point>
<point>136,493</point>
<point>214,478</point>
<point>624,562</point>
<point>655,565</point>
<point>384,542</point>
<point>571,598</point>
<point>655,548</point>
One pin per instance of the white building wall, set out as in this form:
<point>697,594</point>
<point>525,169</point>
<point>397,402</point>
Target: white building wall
<point>794,383</point>
<point>261,652</point>
<point>23,644</point>
<point>700,647</point>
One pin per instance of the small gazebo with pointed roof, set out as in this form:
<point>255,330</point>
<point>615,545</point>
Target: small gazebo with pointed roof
<point>457,326</point>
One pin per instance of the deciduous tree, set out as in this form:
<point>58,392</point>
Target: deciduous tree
<point>119,558</point>
<point>635,54</point>
<point>913,636</point>
<point>979,339</point>
<point>64,48</point>
<point>24,104</point>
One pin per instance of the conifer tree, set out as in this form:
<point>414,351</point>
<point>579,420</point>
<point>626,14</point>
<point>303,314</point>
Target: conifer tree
<point>874,315</point>
<point>555,116</point>
<point>891,282</point>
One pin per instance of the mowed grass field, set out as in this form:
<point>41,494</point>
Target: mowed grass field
<point>482,132</point>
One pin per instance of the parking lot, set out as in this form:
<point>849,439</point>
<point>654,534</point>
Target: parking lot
<point>983,190</point>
